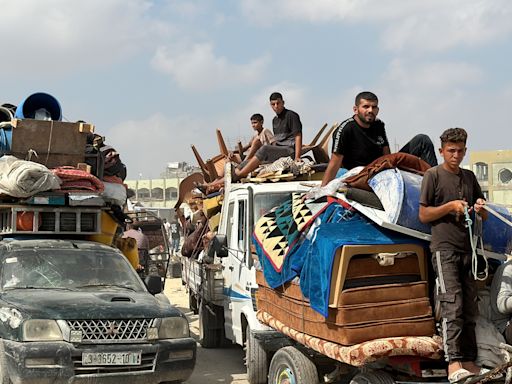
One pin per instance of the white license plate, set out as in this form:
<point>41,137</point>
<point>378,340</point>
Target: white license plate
<point>111,358</point>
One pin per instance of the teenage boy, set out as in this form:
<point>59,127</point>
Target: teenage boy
<point>448,193</point>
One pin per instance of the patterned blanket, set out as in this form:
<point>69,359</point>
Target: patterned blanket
<point>278,230</point>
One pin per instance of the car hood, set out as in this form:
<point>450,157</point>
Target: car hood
<point>70,305</point>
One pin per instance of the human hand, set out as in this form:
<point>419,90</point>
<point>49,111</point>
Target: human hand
<point>479,205</point>
<point>458,207</point>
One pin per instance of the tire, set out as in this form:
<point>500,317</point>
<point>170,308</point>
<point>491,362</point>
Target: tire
<point>192,303</point>
<point>4,375</point>
<point>377,377</point>
<point>209,337</point>
<point>256,359</point>
<point>290,366</point>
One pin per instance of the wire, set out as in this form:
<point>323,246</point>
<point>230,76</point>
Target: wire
<point>474,256</point>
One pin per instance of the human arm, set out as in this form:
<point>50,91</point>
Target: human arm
<point>427,214</point>
<point>332,168</point>
<point>298,146</point>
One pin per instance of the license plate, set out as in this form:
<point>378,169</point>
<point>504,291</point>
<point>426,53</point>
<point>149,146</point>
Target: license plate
<point>111,358</point>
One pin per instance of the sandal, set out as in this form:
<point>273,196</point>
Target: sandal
<point>460,375</point>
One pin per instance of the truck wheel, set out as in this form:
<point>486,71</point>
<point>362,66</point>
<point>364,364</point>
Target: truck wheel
<point>192,303</point>
<point>209,337</point>
<point>256,359</point>
<point>291,366</point>
<point>4,375</point>
<point>377,377</point>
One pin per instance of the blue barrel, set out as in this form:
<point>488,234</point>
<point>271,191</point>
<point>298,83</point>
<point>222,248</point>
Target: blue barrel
<point>39,102</point>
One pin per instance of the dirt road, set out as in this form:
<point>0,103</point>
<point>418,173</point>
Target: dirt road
<point>224,365</point>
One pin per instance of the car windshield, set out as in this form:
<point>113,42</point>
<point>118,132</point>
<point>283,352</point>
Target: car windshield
<point>71,269</point>
<point>265,202</point>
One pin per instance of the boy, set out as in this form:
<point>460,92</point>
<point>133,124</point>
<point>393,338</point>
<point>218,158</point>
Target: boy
<point>447,192</point>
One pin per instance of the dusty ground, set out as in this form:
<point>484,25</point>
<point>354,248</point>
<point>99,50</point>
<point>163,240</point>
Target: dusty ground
<point>224,365</point>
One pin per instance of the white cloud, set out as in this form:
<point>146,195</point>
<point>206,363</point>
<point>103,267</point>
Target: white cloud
<point>58,36</point>
<point>196,67</point>
<point>407,25</point>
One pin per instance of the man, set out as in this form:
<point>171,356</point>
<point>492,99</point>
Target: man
<point>501,302</point>
<point>362,138</point>
<point>448,192</point>
<point>262,136</point>
<point>287,129</point>
<point>134,231</point>
<point>175,229</point>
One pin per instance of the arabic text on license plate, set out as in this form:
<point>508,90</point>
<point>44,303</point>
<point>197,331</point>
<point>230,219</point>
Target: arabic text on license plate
<point>111,358</point>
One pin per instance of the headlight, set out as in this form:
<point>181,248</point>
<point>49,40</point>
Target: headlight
<point>173,328</point>
<point>41,330</point>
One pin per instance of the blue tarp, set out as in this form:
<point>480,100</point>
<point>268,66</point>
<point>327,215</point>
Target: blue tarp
<point>313,255</point>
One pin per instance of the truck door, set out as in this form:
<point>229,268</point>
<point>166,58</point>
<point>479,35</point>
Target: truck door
<point>235,267</point>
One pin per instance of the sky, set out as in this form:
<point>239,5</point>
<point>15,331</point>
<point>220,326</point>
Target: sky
<point>157,76</point>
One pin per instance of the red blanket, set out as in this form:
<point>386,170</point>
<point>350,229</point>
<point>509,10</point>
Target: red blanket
<point>77,180</point>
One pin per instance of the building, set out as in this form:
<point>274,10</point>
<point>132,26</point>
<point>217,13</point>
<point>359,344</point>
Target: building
<point>493,170</point>
<point>161,194</point>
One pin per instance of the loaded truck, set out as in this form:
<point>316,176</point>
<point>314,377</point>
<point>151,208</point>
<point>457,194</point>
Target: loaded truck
<point>72,306</point>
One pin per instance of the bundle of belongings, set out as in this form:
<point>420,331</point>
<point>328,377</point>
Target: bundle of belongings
<point>351,270</point>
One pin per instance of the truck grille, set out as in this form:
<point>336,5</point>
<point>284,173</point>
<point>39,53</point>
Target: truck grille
<point>107,331</point>
<point>147,365</point>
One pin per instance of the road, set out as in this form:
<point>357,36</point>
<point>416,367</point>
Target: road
<point>225,365</point>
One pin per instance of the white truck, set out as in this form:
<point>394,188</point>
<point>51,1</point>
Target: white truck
<point>223,292</point>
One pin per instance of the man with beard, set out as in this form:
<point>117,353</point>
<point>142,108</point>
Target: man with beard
<point>362,138</point>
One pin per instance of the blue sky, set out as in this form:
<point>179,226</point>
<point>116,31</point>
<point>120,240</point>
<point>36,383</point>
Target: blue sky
<point>157,76</point>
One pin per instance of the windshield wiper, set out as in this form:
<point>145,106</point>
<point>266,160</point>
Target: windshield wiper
<point>33,287</point>
<point>107,285</point>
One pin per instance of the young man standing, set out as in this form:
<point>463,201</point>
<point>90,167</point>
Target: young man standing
<point>447,193</point>
<point>287,129</point>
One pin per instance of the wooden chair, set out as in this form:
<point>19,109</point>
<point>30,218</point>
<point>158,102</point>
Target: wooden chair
<point>321,149</point>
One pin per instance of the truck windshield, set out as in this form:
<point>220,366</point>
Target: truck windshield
<point>264,202</point>
<point>67,269</point>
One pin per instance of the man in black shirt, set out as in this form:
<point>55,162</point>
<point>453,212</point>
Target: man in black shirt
<point>287,129</point>
<point>362,138</point>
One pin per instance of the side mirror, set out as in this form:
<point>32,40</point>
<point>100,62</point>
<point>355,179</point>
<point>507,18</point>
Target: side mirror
<point>220,245</point>
<point>153,284</point>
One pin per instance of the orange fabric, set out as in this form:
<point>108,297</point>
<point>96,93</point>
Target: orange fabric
<point>398,160</point>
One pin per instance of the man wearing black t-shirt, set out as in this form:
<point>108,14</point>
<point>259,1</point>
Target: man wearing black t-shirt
<point>287,129</point>
<point>362,138</point>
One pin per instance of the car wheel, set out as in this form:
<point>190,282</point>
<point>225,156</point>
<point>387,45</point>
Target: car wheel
<point>209,337</point>
<point>291,366</point>
<point>256,359</point>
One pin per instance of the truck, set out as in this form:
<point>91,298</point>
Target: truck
<point>223,293</point>
<point>72,306</point>
<point>284,340</point>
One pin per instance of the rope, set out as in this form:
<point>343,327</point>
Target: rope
<point>474,257</point>
<point>49,143</point>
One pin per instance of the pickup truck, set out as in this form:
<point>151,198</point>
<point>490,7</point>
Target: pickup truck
<point>76,311</point>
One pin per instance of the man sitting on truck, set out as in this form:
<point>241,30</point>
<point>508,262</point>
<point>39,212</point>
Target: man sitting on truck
<point>287,129</point>
<point>362,138</point>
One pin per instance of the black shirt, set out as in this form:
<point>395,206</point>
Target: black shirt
<point>358,145</point>
<point>438,187</point>
<point>286,126</point>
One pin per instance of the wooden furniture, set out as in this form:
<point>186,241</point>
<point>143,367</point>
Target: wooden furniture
<point>345,254</point>
<point>320,148</point>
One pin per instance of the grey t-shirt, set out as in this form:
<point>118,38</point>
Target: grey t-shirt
<point>439,186</point>
<point>286,126</point>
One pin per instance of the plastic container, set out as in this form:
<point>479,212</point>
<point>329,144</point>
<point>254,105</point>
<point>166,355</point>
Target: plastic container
<point>108,230</point>
<point>40,104</point>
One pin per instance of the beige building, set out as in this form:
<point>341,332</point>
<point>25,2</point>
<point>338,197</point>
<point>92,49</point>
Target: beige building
<point>493,170</point>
